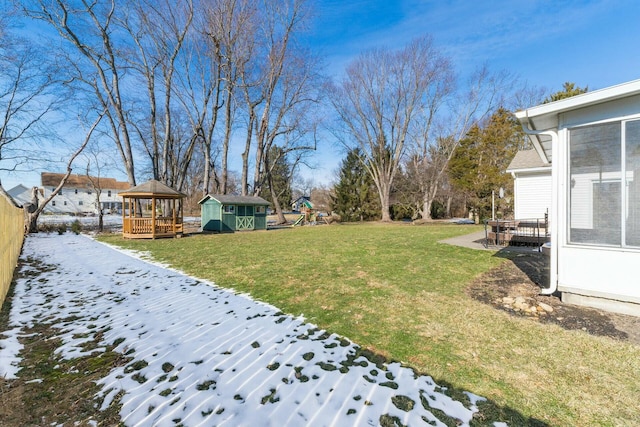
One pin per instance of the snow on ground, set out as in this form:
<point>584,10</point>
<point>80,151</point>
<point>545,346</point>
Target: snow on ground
<point>204,355</point>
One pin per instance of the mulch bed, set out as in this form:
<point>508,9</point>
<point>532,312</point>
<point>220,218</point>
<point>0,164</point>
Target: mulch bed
<point>523,276</point>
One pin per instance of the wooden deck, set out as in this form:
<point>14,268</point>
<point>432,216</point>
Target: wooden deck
<point>526,232</point>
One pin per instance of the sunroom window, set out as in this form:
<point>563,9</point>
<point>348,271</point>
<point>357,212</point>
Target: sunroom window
<point>605,209</point>
<point>632,167</point>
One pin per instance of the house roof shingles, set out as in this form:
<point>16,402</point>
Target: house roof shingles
<point>50,179</point>
<point>527,159</point>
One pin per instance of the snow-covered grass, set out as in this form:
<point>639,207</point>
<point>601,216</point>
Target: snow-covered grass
<point>207,356</point>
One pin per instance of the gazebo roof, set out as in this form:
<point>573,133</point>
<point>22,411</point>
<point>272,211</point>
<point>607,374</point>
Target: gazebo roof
<point>152,188</point>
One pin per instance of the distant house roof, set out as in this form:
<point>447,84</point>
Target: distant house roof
<point>20,194</point>
<point>153,188</point>
<point>50,179</point>
<point>527,160</point>
<point>18,190</point>
<point>227,199</point>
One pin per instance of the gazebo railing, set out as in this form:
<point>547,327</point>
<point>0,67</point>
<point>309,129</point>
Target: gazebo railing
<point>163,225</point>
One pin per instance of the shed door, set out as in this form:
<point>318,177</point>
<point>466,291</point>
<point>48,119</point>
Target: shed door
<point>244,218</point>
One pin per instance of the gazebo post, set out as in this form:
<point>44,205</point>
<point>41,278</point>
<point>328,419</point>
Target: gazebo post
<point>173,215</point>
<point>153,217</point>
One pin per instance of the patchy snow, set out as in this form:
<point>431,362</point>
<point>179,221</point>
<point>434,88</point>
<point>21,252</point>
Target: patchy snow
<point>204,355</point>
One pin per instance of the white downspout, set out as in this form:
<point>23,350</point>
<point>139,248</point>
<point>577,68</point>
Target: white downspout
<point>555,180</point>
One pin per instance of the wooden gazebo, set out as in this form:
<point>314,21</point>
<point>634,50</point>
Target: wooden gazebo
<point>151,210</point>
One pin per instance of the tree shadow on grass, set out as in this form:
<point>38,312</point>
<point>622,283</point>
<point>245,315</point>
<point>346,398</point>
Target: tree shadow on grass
<point>489,412</point>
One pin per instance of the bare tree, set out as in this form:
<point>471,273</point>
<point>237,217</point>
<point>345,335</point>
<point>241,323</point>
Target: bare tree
<point>435,141</point>
<point>28,95</point>
<point>91,30</point>
<point>35,208</point>
<point>97,161</point>
<point>158,30</point>
<point>289,89</point>
<point>231,30</point>
<point>200,95</point>
<point>379,100</point>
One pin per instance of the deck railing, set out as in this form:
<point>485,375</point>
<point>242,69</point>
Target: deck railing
<point>524,232</point>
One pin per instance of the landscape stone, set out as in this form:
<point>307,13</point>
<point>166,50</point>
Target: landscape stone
<point>545,307</point>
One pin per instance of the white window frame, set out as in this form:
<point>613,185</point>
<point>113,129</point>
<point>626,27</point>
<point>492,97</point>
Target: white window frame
<point>621,121</point>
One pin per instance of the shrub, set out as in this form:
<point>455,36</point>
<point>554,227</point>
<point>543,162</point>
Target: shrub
<point>76,227</point>
<point>61,228</point>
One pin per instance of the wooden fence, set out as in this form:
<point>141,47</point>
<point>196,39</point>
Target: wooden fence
<point>11,238</point>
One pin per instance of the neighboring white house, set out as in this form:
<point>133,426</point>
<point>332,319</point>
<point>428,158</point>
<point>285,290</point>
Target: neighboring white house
<point>531,185</point>
<point>593,143</point>
<point>80,192</point>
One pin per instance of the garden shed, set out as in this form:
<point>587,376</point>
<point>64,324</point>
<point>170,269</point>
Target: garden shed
<point>593,144</point>
<point>151,210</point>
<point>226,213</point>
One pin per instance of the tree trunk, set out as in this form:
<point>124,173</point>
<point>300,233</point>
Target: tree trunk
<point>384,203</point>
<point>100,221</point>
<point>245,154</point>
<point>426,208</point>
<point>31,212</point>
<point>276,202</point>
<point>227,139</point>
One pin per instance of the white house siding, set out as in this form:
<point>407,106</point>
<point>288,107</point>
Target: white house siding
<point>598,273</point>
<point>532,195</point>
<point>82,201</point>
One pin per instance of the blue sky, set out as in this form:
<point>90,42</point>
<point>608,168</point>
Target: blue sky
<point>544,42</point>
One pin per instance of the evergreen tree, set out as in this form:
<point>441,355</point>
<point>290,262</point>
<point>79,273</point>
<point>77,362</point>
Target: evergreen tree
<point>280,176</point>
<point>478,165</point>
<point>568,90</point>
<point>356,197</point>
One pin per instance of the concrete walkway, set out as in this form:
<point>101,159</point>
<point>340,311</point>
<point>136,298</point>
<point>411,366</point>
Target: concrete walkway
<point>473,240</point>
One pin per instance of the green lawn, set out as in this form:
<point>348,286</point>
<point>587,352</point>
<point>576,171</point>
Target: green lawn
<point>393,289</point>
